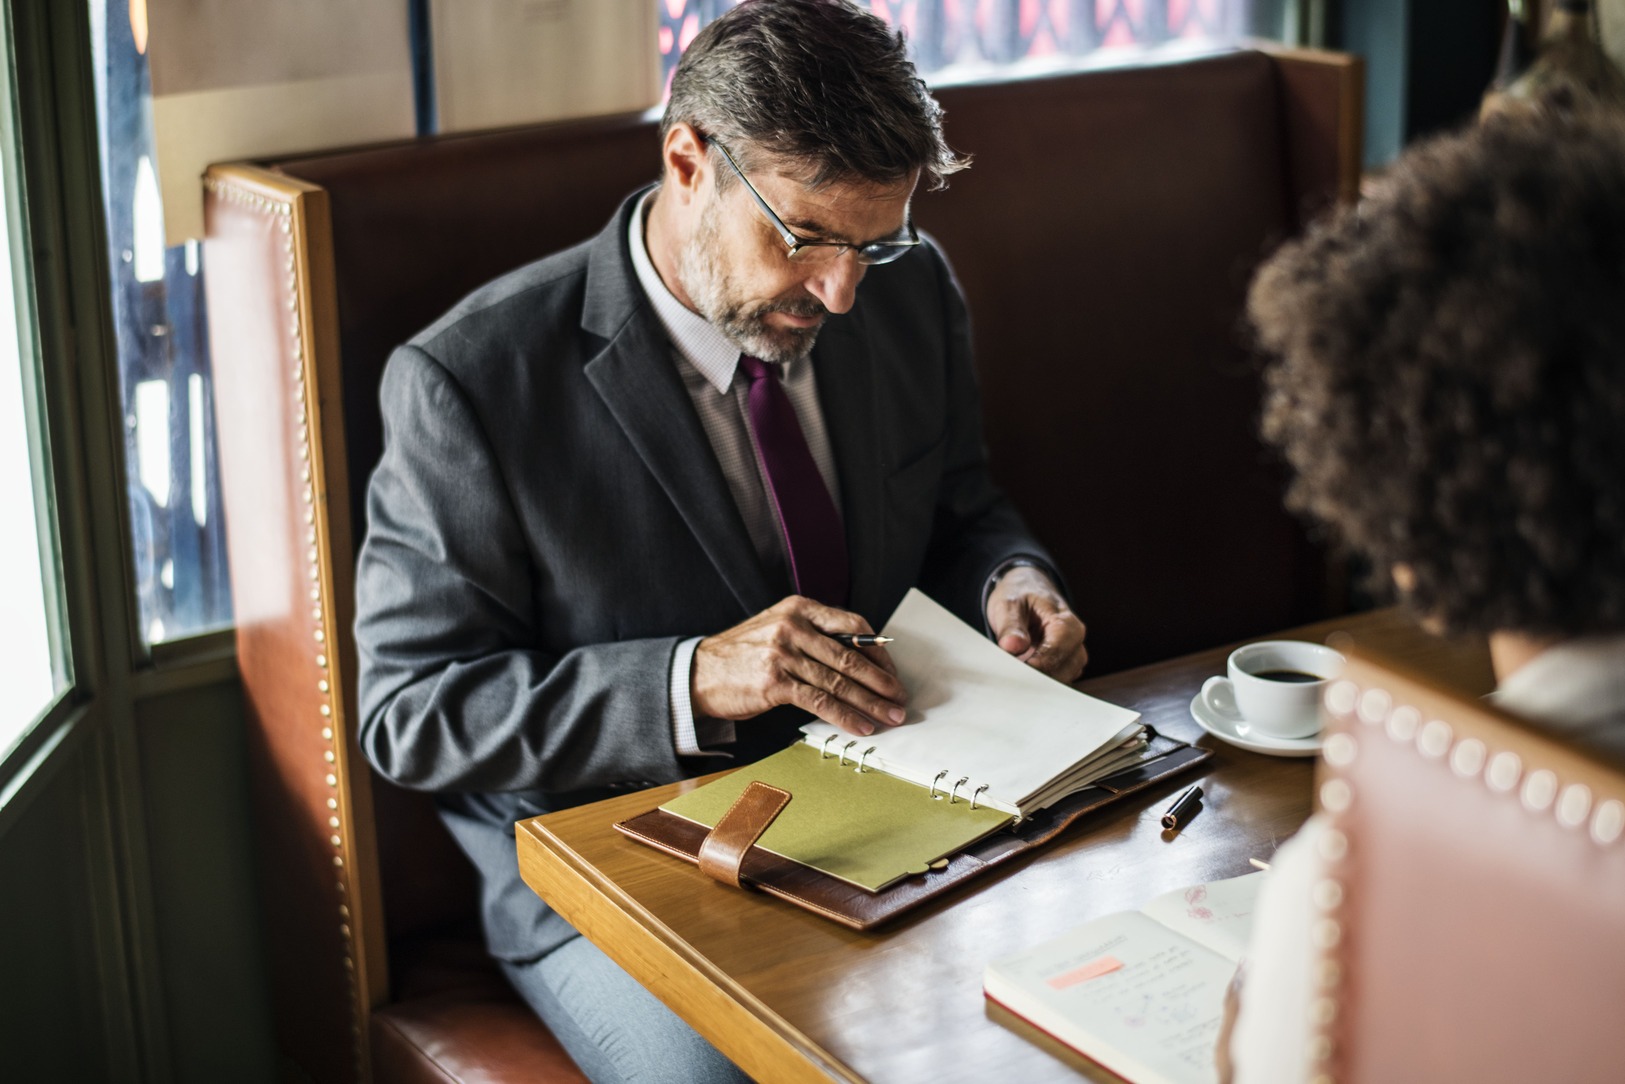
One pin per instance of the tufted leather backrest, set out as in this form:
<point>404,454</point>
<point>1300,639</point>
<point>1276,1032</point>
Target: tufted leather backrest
<point>1106,248</point>
<point>418,225</point>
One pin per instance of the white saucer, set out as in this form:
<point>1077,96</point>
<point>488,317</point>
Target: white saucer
<point>1231,727</point>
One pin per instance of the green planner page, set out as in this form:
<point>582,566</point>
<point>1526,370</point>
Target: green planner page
<point>867,828</point>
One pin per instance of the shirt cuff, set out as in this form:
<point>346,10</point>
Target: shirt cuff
<point>1019,561</point>
<point>684,732</point>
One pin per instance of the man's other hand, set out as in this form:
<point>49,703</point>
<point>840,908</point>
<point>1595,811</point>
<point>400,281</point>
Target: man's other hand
<point>785,655</point>
<point>1031,621</point>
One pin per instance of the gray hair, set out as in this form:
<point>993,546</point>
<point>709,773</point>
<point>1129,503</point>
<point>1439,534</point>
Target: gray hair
<point>820,85</point>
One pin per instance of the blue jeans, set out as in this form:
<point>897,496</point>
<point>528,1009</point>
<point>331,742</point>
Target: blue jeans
<point>617,1032</point>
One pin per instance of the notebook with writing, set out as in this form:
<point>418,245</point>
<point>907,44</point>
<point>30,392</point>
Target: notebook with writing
<point>1141,992</point>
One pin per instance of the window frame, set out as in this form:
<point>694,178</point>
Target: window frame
<point>43,416</point>
<point>49,143</point>
<point>87,736</point>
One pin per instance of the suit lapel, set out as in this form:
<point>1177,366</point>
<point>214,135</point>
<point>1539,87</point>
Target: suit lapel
<point>635,377</point>
<point>846,393</point>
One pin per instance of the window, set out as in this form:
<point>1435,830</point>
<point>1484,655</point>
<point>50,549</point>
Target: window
<point>33,663</point>
<point>952,37</point>
<point>172,485</point>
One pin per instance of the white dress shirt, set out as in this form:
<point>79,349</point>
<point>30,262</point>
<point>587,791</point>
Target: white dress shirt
<point>708,363</point>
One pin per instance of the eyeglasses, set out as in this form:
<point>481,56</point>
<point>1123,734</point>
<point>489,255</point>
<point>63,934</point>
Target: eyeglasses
<point>805,251</point>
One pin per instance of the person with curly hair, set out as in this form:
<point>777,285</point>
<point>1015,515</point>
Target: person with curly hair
<point>1447,384</point>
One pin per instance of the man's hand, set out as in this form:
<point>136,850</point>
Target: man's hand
<point>784,655</point>
<point>1031,621</point>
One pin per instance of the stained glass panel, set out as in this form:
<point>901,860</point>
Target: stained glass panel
<point>958,34</point>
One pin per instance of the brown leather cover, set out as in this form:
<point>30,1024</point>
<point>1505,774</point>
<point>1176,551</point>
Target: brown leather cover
<point>723,848</point>
<point>860,909</point>
<point>283,476</point>
<point>1474,913</point>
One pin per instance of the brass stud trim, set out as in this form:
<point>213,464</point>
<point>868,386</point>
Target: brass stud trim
<point>1539,790</point>
<point>1574,806</point>
<point>1342,697</point>
<point>1340,750</point>
<point>1336,795</point>
<point>1403,724</point>
<point>1434,740</point>
<point>282,213</point>
<point>1375,704</point>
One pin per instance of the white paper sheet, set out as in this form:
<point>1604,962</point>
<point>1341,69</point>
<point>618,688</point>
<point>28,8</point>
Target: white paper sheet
<point>978,713</point>
<point>1141,1000</point>
<point>1218,915</point>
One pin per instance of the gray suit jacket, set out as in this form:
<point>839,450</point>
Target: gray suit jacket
<point>548,521</point>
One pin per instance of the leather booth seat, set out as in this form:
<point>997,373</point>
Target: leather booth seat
<point>453,1017</point>
<point>1104,239</point>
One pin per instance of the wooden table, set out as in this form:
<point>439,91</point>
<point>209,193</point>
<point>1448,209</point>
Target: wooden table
<point>790,996</point>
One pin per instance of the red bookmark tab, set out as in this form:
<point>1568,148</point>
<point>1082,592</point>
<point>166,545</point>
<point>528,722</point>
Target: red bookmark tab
<point>1092,970</point>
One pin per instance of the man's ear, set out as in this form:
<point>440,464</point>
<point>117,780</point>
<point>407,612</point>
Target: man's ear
<point>684,162</point>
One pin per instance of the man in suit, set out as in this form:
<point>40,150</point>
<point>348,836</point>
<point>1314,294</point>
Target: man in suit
<point>628,491</point>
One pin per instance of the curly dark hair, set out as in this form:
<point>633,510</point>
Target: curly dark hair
<point>1448,375</point>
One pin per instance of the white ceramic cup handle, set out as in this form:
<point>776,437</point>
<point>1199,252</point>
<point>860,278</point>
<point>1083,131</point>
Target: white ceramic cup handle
<point>1218,692</point>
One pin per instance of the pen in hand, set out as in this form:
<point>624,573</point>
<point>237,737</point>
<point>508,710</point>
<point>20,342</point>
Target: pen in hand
<point>861,639</point>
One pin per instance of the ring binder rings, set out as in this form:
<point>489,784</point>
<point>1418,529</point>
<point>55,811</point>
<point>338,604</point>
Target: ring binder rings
<point>979,717</point>
<point>860,909</point>
<point>953,792</point>
<point>910,805</point>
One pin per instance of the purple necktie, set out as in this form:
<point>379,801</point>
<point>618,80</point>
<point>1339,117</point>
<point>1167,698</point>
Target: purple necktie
<point>813,534</point>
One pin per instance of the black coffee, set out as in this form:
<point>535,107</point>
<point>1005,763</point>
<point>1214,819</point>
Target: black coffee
<point>1287,675</point>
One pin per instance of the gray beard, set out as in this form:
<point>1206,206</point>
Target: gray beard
<point>712,291</point>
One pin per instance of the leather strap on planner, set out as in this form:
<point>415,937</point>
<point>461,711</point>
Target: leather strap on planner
<point>724,847</point>
<point>860,909</point>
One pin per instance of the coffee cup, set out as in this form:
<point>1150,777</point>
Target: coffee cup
<point>1277,685</point>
